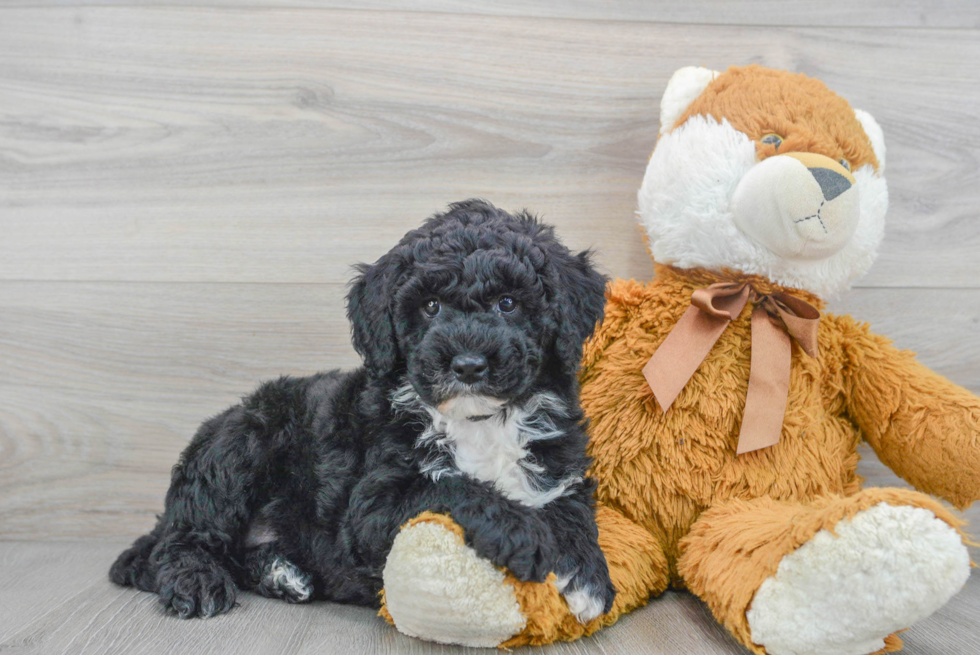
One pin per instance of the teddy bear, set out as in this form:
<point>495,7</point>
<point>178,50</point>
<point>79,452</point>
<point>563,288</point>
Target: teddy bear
<point>726,406</point>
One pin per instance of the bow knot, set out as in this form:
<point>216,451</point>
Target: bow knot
<point>777,318</point>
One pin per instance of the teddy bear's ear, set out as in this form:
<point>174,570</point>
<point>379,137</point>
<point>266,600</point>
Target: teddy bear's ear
<point>685,85</point>
<point>875,135</point>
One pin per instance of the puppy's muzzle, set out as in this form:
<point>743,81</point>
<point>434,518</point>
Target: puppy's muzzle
<point>470,368</point>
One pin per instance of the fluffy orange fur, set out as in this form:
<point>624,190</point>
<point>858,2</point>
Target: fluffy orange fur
<point>736,545</point>
<point>723,522</point>
<point>803,111</point>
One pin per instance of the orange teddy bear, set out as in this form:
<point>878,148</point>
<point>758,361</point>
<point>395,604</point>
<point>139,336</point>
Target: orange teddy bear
<point>726,412</point>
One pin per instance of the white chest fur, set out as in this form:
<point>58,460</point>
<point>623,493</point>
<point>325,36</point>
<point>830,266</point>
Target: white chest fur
<point>493,449</point>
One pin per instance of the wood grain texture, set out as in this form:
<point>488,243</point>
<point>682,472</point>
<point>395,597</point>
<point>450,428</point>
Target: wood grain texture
<point>837,13</point>
<point>102,384</point>
<point>96,466</point>
<point>199,339</point>
<point>186,144</point>
<point>209,339</point>
<point>55,600</point>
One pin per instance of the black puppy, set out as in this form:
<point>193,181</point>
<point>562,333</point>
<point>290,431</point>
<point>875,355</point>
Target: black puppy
<point>471,331</point>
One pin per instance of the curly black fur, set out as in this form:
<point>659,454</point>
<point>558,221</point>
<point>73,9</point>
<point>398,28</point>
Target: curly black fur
<point>322,471</point>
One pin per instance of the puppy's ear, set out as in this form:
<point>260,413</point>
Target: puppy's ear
<point>369,310</point>
<point>579,299</point>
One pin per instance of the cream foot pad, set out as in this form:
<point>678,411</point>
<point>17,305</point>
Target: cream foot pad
<point>842,594</point>
<point>439,589</point>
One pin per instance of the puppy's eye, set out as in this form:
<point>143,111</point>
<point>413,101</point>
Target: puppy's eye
<point>431,308</point>
<point>846,164</point>
<point>772,140</point>
<point>506,304</point>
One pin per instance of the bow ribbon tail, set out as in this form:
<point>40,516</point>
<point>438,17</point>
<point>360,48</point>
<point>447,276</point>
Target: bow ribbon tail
<point>765,401</point>
<point>777,320</point>
<point>691,339</point>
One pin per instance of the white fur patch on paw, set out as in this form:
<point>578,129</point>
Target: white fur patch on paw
<point>581,602</point>
<point>284,576</point>
<point>439,589</point>
<point>886,568</point>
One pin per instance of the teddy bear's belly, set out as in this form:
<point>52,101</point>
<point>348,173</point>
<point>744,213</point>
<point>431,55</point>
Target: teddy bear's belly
<point>663,469</point>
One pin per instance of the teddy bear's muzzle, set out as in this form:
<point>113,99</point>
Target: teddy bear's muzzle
<point>799,205</point>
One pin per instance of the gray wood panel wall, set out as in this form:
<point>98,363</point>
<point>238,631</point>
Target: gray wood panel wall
<point>183,189</point>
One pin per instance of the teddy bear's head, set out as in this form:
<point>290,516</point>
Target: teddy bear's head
<point>768,173</point>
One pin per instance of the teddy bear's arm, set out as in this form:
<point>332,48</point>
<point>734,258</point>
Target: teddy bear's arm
<point>623,298</point>
<point>923,427</point>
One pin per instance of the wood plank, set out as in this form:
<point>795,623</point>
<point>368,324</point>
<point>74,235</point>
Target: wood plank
<point>57,600</point>
<point>91,467</point>
<point>84,468</point>
<point>836,13</point>
<point>203,339</point>
<point>188,144</point>
<point>104,383</point>
<point>222,339</point>
<point>38,579</point>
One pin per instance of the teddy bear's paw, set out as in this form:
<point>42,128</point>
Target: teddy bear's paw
<point>437,588</point>
<point>844,591</point>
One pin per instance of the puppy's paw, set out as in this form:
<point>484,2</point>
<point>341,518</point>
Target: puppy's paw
<point>583,576</point>
<point>195,591</point>
<point>525,547</point>
<point>133,569</point>
<point>529,562</point>
<point>284,580</point>
<point>587,597</point>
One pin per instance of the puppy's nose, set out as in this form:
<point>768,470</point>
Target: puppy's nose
<point>470,367</point>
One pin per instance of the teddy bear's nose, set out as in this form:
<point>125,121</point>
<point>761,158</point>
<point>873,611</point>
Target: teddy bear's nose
<point>832,177</point>
<point>832,183</point>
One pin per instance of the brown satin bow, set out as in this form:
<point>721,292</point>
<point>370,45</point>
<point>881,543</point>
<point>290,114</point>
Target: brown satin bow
<point>775,318</point>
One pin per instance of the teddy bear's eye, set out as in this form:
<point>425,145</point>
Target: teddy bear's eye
<point>772,140</point>
<point>846,164</point>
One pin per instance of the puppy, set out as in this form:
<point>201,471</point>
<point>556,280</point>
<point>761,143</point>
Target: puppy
<point>471,332</point>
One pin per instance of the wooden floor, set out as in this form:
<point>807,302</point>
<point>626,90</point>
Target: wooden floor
<point>55,600</point>
<point>185,185</point>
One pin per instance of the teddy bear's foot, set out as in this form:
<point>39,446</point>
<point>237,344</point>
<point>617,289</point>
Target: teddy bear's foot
<point>845,590</point>
<point>437,588</point>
